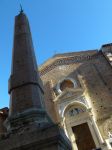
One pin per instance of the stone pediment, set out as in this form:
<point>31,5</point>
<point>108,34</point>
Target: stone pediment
<point>69,93</point>
<point>67,59</point>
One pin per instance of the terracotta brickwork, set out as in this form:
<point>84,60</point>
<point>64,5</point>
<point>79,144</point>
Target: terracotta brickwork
<point>92,73</point>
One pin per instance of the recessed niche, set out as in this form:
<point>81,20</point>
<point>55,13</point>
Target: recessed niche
<point>66,83</point>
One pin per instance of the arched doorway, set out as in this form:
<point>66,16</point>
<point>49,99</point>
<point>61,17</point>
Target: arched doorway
<point>80,127</point>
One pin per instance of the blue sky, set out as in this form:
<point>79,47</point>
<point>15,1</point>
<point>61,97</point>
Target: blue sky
<point>57,26</point>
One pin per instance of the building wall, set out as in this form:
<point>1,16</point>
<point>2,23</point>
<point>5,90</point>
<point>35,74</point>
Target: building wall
<point>92,73</point>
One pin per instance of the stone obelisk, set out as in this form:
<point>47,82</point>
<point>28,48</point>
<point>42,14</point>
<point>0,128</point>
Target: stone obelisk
<point>25,86</point>
<point>28,125</point>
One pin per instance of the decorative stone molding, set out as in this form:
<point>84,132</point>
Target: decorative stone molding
<point>61,81</point>
<point>71,95</point>
<point>107,127</point>
<point>63,106</point>
<point>68,61</point>
<point>84,117</point>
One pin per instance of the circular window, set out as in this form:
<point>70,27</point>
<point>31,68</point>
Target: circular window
<point>66,84</point>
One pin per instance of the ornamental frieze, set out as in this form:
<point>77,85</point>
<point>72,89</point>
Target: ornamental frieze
<point>68,61</point>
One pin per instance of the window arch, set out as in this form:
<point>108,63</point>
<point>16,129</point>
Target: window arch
<point>76,107</point>
<point>66,83</point>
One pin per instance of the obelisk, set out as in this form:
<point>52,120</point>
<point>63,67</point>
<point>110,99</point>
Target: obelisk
<point>25,86</point>
<point>28,125</point>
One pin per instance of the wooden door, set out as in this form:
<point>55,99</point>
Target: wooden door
<point>83,137</point>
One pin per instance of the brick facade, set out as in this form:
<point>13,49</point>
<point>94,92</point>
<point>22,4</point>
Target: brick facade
<point>92,72</point>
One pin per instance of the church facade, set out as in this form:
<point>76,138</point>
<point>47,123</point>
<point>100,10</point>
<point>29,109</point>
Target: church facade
<point>78,95</point>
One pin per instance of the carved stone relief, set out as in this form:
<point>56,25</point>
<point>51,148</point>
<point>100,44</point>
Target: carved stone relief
<point>107,127</point>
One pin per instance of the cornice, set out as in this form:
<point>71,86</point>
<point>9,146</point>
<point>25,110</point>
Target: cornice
<point>67,61</point>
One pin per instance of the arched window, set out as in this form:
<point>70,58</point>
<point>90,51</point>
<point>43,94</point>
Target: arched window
<point>66,84</point>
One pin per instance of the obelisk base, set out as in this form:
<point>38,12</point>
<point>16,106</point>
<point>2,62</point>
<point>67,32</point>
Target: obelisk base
<point>48,138</point>
<point>29,119</point>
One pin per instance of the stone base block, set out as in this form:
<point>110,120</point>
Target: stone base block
<point>48,138</point>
